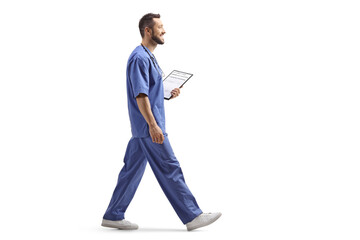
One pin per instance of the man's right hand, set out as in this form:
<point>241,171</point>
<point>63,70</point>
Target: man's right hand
<point>156,134</point>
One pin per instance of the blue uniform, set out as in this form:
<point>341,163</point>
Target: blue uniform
<point>144,76</point>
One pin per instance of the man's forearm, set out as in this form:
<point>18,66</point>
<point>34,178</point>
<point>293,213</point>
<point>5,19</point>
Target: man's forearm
<point>145,109</point>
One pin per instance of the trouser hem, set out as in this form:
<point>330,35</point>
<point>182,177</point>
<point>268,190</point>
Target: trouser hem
<point>196,214</point>
<point>116,218</point>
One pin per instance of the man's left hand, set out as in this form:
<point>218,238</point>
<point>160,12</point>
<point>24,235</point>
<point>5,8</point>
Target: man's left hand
<point>175,92</point>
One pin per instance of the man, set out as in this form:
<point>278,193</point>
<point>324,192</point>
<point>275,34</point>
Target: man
<point>149,142</point>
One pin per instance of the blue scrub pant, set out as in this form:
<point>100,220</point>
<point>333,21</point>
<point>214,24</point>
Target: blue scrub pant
<point>167,171</point>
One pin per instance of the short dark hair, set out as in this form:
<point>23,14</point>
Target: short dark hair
<point>147,21</point>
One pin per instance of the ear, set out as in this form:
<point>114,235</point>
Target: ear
<point>148,30</point>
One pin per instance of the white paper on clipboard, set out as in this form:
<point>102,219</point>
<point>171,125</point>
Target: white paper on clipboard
<point>175,79</point>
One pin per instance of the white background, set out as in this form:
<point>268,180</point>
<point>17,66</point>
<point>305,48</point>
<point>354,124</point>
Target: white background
<point>266,131</point>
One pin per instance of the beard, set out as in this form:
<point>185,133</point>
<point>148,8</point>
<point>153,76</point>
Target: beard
<point>156,39</point>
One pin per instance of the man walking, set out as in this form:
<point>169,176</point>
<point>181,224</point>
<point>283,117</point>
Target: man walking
<point>149,142</point>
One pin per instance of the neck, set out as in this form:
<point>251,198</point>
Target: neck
<point>151,45</point>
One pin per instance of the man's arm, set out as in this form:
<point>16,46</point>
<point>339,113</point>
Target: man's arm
<point>145,109</point>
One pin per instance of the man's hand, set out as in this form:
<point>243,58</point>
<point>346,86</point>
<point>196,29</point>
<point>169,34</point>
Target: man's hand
<point>156,134</point>
<point>175,92</point>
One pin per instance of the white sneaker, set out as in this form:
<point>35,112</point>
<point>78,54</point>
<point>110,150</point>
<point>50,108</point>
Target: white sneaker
<point>121,224</point>
<point>203,220</point>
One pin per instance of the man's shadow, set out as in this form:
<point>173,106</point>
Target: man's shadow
<point>161,230</point>
<point>153,230</point>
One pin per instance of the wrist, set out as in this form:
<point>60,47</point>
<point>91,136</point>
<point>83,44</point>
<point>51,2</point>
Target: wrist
<point>153,124</point>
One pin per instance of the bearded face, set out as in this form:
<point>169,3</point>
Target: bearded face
<point>157,32</point>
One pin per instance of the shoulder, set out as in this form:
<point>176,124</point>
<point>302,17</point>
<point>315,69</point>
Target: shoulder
<point>139,55</point>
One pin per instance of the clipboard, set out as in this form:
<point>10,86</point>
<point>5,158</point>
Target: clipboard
<point>176,79</point>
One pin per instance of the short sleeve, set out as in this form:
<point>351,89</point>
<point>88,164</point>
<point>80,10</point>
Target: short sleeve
<point>139,76</point>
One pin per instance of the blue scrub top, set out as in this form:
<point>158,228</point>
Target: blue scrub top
<point>142,76</point>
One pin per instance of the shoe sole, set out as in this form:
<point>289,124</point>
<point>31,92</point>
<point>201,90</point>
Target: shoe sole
<point>111,225</point>
<point>206,224</point>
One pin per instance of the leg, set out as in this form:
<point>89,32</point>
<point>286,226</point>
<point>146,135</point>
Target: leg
<point>170,177</point>
<point>128,181</point>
